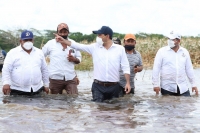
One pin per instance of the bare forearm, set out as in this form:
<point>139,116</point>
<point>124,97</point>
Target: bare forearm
<point>68,43</point>
<point>127,77</point>
<point>140,68</point>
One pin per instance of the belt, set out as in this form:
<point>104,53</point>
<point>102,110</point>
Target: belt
<point>107,84</point>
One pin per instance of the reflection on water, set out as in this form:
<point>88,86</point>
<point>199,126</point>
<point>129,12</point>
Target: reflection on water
<point>142,112</point>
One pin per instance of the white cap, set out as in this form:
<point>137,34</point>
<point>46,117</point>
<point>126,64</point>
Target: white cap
<point>174,35</point>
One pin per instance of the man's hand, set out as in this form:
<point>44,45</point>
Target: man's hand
<point>157,90</point>
<point>46,89</point>
<point>6,89</point>
<point>71,58</point>
<point>77,80</point>
<point>135,69</point>
<point>195,89</point>
<point>62,40</point>
<point>127,88</point>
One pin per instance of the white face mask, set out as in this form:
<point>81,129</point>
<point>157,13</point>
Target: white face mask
<point>171,43</point>
<point>28,45</point>
<point>99,40</point>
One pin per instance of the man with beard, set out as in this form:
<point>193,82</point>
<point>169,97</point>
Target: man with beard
<point>107,59</point>
<point>172,66</point>
<point>62,75</point>
<point>135,62</point>
<point>25,70</point>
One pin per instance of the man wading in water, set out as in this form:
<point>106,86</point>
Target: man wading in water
<point>25,68</point>
<point>172,65</point>
<point>107,58</point>
<point>63,58</point>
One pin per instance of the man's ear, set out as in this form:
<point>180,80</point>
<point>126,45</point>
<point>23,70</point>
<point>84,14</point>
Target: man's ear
<point>178,40</point>
<point>20,41</point>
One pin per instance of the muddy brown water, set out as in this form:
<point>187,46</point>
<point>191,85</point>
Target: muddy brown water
<point>142,112</point>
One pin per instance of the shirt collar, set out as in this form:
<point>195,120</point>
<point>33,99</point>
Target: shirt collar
<point>168,48</point>
<point>113,45</point>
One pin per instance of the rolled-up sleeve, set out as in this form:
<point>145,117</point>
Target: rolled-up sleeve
<point>125,63</point>
<point>78,55</point>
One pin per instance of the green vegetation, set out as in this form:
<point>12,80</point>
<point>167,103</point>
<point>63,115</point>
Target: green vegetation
<point>147,44</point>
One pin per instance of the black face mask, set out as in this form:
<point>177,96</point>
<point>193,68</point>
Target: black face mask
<point>129,47</point>
<point>65,37</point>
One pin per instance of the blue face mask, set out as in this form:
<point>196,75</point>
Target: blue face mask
<point>129,47</point>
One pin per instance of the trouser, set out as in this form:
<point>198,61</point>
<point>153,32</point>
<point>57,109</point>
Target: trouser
<point>17,92</point>
<point>1,66</point>
<point>57,86</point>
<point>101,93</point>
<point>165,92</point>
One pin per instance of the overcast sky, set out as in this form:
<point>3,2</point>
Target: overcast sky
<point>123,16</point>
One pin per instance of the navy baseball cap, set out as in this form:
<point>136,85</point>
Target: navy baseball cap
<point>104,30</point>
<point>26,35</point>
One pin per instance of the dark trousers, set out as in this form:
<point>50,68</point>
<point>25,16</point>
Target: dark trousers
<point>1,66</point>
<point>17,92</point>
<point>101,93</point>
<point>165,92</point>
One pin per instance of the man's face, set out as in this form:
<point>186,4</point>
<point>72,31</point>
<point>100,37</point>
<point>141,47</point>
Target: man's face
<point>130,42</point>
<point>176,41</point>
<point>26,40</point>
<point>103,37</point>
<point>64,33</point>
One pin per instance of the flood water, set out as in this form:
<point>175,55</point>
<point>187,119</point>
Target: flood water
<point>142,112</point>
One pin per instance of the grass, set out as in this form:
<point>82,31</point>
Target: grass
<point>148,48</point>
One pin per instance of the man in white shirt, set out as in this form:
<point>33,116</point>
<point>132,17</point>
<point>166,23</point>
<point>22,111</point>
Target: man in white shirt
<point>25,70</point>
<point>62,74</point>
<point>172,66</point>
<point>107,59</point>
